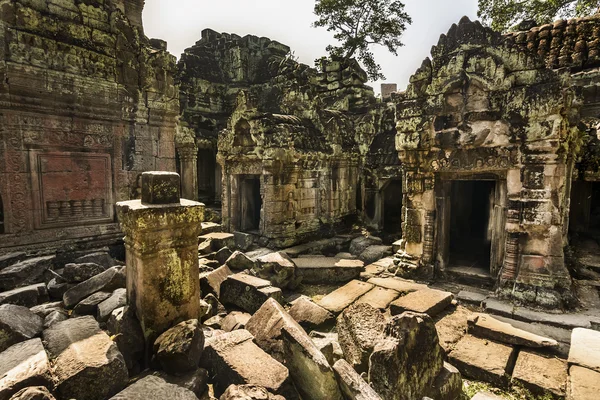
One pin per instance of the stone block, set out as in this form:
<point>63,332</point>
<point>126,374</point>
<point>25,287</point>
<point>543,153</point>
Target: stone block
<point>483,360</point>
<point>379,297</point>
<point>353,386</point>
<point>317,269</point>
<point>109,280</point>
<point>400,285</point>
<point>248,292</point>
<point>235,320</point>
<point>178,350</point>
<point>222,255</point>
<point>75,273</point>
<point>427,301</point>
<point>243,241</point>
<point>218,240</point>
<point>248,392</point>
<point>124,327</point>
<point>87,363</point>
<point>374,253</point>
<point>160,187</point>
<point>27,296</point>
<point>117,299</point>
<point>447,385</point>
<point>24,364</point>
<point>98,257</point>
<point>488,327</point>
<point>541,374</point>
<point>240,261</point>
<point>25,272</point>
<point>154,387</point>
<point>210,282</point>
<point>583,384</point>
<point>33,393</point>
<point>18,323</point>
<point>585,348</point>
<point>278,268</point>
<point>472,298</point>
<point>342,297</point>
<point>310,315</point>
<point>89,305</point>
<point>233,358</point>
<point>327,343</point>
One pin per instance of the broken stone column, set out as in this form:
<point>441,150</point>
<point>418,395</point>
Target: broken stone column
<point>188,159</point>
<point>161,240</point>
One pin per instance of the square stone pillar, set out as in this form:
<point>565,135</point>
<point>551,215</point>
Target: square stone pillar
<point>161,241</point>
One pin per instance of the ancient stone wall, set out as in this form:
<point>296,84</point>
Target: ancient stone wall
<point>87,102</point>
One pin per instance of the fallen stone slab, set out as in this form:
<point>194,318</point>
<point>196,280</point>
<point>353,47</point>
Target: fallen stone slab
<point>233,358</point>
<point>210,227</point>
<point>109,280</point>
<point>488,327</point>
<point>178,350</point>
<point>117,299</point>
<point>473,298</point>
<point>342,297</point>
<point>360,243</point>
<point>540,374</point>
<point>483,360</point>
<point>276,332</point>
<point>584,383</point>
<point>57,288</point>
<point>360,327</point>
<point>248,392</point>
<point>426,301</point>
<point>248,292</point>
<point>33,393</point>
<point>89,305</point>
<point>219,240</point>
<point>235,320</point>
<point>127,333</point>
<point>223,255</point>
<point>27,296</point>
<point>585,348</point>
<point>379,297</point>
<point>452,327</point>
<point>99,257</point>
<point>75,273</point>
<point>317,269</point>
<point>447,385</point>
<point>44,309</point>
<point>87,363</point>
<point>328,344</point>
<point>154,387</point>
<point>374,253</point>
<point>238,261</point>
<point>498,307</point>
<point>24,273</point>
<point>309,314</point>
<point>54,317</point>
<point>243,240</point>
<point>12,258</point>
<point>24,364</point>
<point>195,380</point>
<point>353,386</point>
<point>18,323</point>
<point>278,268</point>
<point>400,285</point>
<point>210,282</point>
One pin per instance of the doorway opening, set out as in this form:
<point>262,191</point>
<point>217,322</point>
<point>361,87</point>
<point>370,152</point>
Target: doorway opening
<point>251,203</point>
<point>206,165</point>
<point>584,224</point>
<point>471,212</point>
<point>392,207</point>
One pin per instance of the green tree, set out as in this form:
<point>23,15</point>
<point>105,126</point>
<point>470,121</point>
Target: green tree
<point>502,15</point>
<point>358,24</point>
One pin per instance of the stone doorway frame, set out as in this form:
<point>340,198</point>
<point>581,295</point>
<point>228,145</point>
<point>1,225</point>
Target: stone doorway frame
<point>443,193</point>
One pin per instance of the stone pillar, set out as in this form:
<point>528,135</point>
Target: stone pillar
<point>188,158</point>
<point>161,241</point>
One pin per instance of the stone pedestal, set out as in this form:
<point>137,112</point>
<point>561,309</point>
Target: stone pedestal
<point>188,159</point>
<point>161,240</point>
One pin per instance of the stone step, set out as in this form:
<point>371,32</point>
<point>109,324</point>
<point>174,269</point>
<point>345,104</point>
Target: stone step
<point>320,269</point>
<point>428,301</point>
<point>487,327</point>
<point>470,276</point>
<point>341,298</point>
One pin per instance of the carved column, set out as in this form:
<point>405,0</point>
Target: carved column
<point>161,241</point>
<point>188,158</point>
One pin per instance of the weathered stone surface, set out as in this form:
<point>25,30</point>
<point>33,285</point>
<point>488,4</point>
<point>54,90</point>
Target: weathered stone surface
<point>12,258</point>
<point>24,364</point>
<point>210,282</point>
<point>379,297</point>
<point>239,261</point>
<point>317,269</point>
<point>248,292</point>
<point>124,327</point>
<point>541,374</point>
<point>353,386</point>
<point>57,288</point>
<point>427,301</point>
<point>483,360</point>
<point>374,253</point>
<point>17,323</point>
<point>27,296</point>
<point>44,309</point>
<point>488,327</point>
<point>248,392</point>
<point>75,273</point>
<point>216,308</point>
<point>359,244</point>
<point>243,240</point>
<point>109,280</point>
<point>99,257</point>
<point>277,333</point>
<point>452,327</point>
<point>89,305</point>
<point>278,268</point>
<point>195,380</point>
<point>54,317</point>
<point>584,383</point>
<point>25,272</point>
<point>235,320</point>
<point>474,298</point>
<point>585,348</point>
<point>87,364</point>
<point>310,315</point>
<point>179,349</point>
<point>360,327</point>
<point>400,285</point>
<point>154,387</point>
<point>160,187</point>
<point>117,299</point>
<point>233,358</point>
<point>447,385</point>
<point>222,255</point>
<point>328,344</point>
<point>341,298</point>
<point>33,393</point>
<point>486,396</point>
<point>219,240</point>
<point>407,362</point>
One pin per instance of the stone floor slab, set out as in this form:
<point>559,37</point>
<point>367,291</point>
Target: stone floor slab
<point>585,348</point>
<point>584,384</point>
<point>428,301</point>
<point>379,297</point>
<point>341,298</point>
<point>397,284</point>
<point>541,374</point>
<point>488,327</point>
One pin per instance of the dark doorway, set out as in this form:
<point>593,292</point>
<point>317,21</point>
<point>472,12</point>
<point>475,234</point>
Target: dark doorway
<point>206,165</point>
<point>584,217</point>
<point>392,207</point>
<point>470,224</point>
<point>251,203</point>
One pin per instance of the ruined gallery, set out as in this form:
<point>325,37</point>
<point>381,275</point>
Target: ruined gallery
<point>235,224</point>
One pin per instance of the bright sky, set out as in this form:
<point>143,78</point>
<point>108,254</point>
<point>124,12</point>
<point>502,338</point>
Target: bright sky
<point>289,22</point>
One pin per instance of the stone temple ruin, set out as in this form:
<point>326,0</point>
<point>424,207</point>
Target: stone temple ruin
<point>239,225</point>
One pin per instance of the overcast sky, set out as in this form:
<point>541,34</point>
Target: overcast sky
<point>180,22</point>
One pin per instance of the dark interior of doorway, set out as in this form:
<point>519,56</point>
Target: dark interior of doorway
<point>470,234</point>
<point>392,207</point>
<point>206,165</point>
<point>251,203</point>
